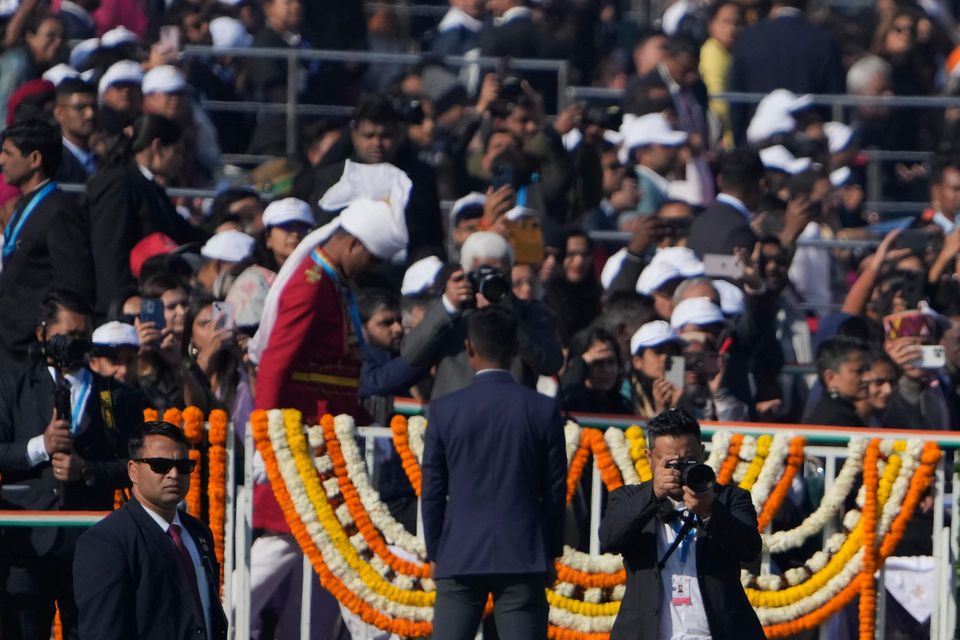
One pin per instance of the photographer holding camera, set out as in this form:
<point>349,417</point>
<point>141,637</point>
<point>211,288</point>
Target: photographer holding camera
<point>683,538</point>
<point>482,280</point>
<point>63,439</point>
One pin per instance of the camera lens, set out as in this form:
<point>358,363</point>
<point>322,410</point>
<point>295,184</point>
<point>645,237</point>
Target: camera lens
<point>699,477</point>
<point>494,288</point>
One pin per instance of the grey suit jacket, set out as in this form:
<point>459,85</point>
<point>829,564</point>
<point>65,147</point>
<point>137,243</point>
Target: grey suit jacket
<point>439,340</point>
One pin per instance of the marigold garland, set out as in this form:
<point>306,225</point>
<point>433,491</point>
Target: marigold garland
<point>150,415</point>
<point>360,517</point>
<point>217,483</point>
<point>609,473</point>
<point>329,581</point>
<point>733,458</point>
<point>297,443</point>
<point>868,591</point>
<point>581,606</point>
<point>753,470</point>
<point>401,443</point>
<point>779,494</point>
<point>174,416</point>
<point>638,452</point>
<point>577,465</point>
<point>193,430</point>
<point>919,482</point>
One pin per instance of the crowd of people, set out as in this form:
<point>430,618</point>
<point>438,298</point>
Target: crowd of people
<point>662,250</point>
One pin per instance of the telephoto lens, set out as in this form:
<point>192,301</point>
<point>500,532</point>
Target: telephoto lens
<point>699,477</point>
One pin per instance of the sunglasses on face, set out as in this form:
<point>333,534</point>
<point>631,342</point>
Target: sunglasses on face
<point>162,466</point>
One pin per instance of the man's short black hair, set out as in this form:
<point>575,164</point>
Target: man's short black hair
<point>741,170</point>
<point>70,86</point>
<point>623,308</point>
<point>377,109</point>
<point>59,298</point>
<point>675,423</point>
<point>493,333</point>
<point>40,136</point>
<point>682,45</point>
<point>371,300</point>
<point>153,428</point>
<point>836,350</point>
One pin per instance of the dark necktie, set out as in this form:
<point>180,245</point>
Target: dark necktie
<point>187,562</point>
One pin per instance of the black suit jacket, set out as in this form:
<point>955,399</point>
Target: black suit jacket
<point>124,208</point>
<point>129,583</point>
<point>26,404</point>
<point>53,249</point>
<point>786,52</point>
<point>496,450</point>
<point>730,538</point>
<point>70,170</point>
<point>719,229</point>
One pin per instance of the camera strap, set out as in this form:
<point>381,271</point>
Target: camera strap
<point>683,533</point>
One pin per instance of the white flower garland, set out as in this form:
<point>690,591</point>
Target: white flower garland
<point>603,563</point>
<point>910,459</point>
<point>772,469</point>
<point>830,505</point>
<point>586,624</point>
<point>620,452</point>
<point>416,430</point>
<point>719,448</point>
<point>571,439</point>
<point>393,531</point>
<point>335,562</point>
<point>748,451</point>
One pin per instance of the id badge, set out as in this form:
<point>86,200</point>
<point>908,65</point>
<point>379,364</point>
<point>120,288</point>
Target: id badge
<point>680,590</point>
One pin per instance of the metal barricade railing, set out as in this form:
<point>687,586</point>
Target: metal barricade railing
<point>293,57</point>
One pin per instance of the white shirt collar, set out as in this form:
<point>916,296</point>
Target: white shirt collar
<point>736,203</point>
<point>514,13</point>
<point>161,521</point>
<point>146,172</point>
<point>672,85</point>
<point>456,18</point>
<point>943,222</point>
<point>482,371</point>
<point>81,154</point>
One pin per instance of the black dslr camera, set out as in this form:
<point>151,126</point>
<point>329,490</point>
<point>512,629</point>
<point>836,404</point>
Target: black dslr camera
<point>696,475</point>
<point>491,282</point>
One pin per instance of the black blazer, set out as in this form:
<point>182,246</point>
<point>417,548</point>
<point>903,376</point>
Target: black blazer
<point>719,229</point>
<point>70,170</point>
<point>129,584</point>
<point>53,249</point>
<point>124,208</point>
<point>730,538</point>
<point>496,450</point>
<point>26,404</point>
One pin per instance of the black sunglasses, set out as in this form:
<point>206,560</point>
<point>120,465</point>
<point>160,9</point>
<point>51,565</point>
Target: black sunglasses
<point>163,465</point>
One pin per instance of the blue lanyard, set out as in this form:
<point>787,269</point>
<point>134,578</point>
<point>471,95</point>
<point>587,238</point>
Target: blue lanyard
<point>687,541</point>
<point>352,307</point>
<point>10,236</point>
<point>81,403</point>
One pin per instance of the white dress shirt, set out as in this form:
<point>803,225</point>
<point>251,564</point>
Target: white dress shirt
<point>681,621</point>
<point>79,396</point>
<point>194,552</point>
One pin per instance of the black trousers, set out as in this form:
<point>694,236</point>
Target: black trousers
<point>30,588</point>
<point>519,606</point>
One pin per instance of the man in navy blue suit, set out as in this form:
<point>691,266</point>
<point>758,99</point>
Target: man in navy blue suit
<point>148,571</point>
<point>494,487</point>
<point>785,51</point>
